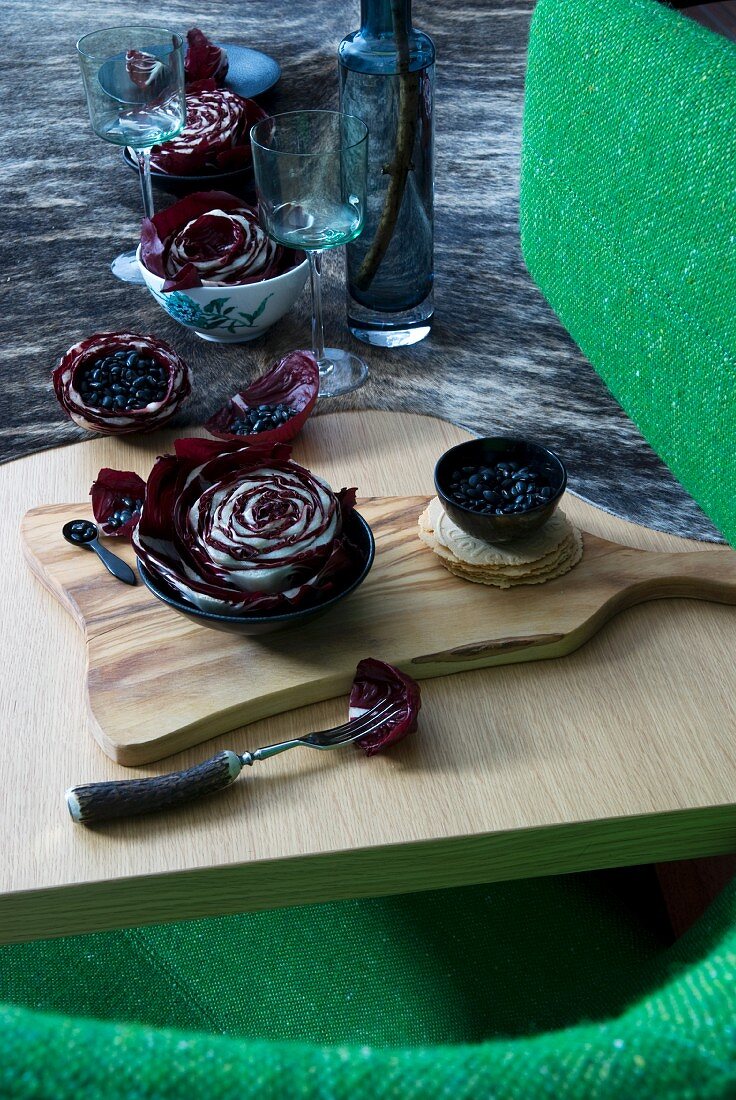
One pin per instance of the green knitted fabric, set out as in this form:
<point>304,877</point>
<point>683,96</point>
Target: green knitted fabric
<point>628,219</point>
<point>378,999</point>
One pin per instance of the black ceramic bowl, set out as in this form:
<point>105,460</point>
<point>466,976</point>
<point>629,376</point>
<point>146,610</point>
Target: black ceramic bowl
<point>487,451</point>
<point>238,182</point>
<point>360,534</point>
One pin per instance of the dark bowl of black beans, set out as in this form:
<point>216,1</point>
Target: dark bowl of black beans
<point>500,488</point>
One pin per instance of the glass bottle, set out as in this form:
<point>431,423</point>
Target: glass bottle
<point>387,80</point>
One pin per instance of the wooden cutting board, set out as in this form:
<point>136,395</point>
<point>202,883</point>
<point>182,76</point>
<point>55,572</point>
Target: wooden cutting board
<point>158,683</point>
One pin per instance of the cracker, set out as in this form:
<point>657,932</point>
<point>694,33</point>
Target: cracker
<point>549,552</point>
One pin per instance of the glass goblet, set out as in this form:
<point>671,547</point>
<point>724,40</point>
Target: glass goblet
<point>310,174</point>
<point>134,83</point>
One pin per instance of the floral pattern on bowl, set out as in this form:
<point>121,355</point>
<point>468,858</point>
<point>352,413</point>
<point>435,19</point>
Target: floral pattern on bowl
<point>215,315</point>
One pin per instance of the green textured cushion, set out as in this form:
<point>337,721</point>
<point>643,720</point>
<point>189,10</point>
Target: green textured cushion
<point>628,219</point>
<point>385,996</point>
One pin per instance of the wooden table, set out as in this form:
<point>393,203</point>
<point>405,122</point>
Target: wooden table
<point>621,753</point>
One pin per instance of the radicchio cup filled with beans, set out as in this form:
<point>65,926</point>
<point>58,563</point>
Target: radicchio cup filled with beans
<point>207,261</point>
<point>116,383</point>
<point>275,407</point>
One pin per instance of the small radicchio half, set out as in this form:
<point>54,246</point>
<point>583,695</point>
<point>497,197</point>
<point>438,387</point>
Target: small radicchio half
<point>376,681</point>
<point>117,501</point>
<point>71,379</point>
<point>216,133</point>
<point>243,529</point>
<point>292,384</point>
<point>203,59</point>
<point>142,68</point>
<point>211,238</point>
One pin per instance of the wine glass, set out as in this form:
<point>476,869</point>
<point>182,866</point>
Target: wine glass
<point>134,83</point>
<point>310,173</point>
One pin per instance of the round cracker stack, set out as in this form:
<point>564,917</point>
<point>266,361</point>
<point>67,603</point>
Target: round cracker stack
<point>541,556</point>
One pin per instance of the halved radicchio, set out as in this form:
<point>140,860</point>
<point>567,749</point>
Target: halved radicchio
<point>243,530</point>
<point>216,133</point>
<point>292,384</point>
<point>203,59</point>
<point>72,374</point>
<point>211,238</point>
<point>143,68</point>
<point>117,501</point>
<point>376,681</point>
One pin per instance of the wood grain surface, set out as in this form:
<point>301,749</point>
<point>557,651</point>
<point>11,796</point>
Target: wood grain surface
<point>498,359</point>
<point>158,683</point>
<point>622,752</point>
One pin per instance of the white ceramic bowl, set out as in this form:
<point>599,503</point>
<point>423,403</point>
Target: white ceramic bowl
<point>230,314</point>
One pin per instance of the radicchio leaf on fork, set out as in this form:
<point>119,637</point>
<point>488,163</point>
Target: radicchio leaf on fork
<point>376,681</point>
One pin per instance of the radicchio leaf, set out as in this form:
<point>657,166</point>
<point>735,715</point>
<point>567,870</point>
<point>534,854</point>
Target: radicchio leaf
<point>67,372</point>
<point>211,238</point>
<point>216,133</point>
<point>110,492</point>
<point>375,681</point>
<point>203,59</point>
<point>239,529</point>
<point>293,382</point>
<point>142,68</point>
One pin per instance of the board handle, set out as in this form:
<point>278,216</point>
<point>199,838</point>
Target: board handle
<point>126,797</point>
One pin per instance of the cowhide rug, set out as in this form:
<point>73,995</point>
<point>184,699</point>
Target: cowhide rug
<point>497,359</point>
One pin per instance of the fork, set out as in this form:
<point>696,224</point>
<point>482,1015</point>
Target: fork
<point>93,802</point>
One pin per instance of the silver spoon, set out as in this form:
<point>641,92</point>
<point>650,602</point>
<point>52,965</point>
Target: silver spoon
<point>83,532</point>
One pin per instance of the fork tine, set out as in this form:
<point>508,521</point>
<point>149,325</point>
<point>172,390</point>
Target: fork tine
<point>364,719</point>
<point>351,731</point>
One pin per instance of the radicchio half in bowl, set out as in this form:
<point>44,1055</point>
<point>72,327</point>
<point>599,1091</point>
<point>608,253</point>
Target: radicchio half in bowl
<point>374,682</point>
<point>78,360</point>
<point>211,238</point>
<point>235,530</point>
<point>204,60</point>
<point>117,494</point>
<point>215,136</point>
<point>294,383</point>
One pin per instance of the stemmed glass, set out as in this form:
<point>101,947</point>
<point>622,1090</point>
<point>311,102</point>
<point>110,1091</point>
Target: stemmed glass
<point>310,173</point>
<point>134,82</point>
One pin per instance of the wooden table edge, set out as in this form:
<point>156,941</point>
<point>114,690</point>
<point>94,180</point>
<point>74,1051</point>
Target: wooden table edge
<point>368,872</point>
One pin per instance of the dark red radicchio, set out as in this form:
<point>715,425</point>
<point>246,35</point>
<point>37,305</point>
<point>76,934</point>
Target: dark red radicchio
<point>215,136</point>
<point>244,530</point>
<point>143,68</point>
<point>294,382</point>
<point>211,238</point>
<point>376,681</point>
<point>69,374</point>
<point>117,494</point>
<point>203,59</point>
